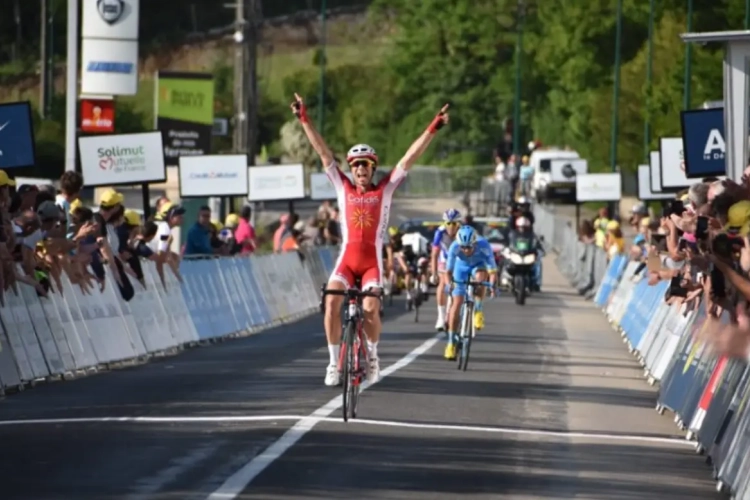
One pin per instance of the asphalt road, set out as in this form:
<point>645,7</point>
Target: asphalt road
<point>552,406</point>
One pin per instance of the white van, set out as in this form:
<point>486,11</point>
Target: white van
<point>542,188</point>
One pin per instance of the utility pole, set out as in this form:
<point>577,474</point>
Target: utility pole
<point>239,141</point>
<point>686,96</point>
<point>616,101</point>
<point>43,60</point>
<point>253,38</point>
<point>520,13</point>
<point>649,83</point>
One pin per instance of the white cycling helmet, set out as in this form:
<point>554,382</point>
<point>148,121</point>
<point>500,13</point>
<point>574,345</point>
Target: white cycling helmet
<point>362,151</point>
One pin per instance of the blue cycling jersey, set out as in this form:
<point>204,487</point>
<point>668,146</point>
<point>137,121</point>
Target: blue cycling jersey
<point>443,241</point>
<point>482,257</point>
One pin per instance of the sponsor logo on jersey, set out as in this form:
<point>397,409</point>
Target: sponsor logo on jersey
<point>367,200</point>
<point>362,218</point>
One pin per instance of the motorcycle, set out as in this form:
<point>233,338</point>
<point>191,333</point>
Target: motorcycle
<point>518,269</point>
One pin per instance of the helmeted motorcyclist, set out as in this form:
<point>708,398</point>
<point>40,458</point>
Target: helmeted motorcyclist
<point>522,233</point>
<point>521,208</point>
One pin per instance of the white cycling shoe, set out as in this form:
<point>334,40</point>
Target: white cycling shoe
<point>333,377</point>
<point>373,370</point>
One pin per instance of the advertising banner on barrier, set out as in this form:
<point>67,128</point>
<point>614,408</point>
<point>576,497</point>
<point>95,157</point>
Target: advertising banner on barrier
<point>184,113</point>
<point>97,115</point>
<point>644,186</point>
<point>16,135</point>
<point>213,175</point>
<point>122,159</point>
<point>109,67</point>
<point>598,187</point>
<point>566,169</point>
<point>672,165</point>
<point>276,182</point>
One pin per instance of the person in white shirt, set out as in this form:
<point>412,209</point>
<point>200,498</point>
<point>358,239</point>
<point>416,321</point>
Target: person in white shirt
<point>170,216</point>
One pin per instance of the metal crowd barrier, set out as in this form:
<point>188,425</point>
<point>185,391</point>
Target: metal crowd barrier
<point>72,333</point>
<point>707,395</point>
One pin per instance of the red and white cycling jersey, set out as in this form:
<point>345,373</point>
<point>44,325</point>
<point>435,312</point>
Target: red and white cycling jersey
<point>363,218</point>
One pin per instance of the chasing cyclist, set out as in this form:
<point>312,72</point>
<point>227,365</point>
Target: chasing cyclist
<point>443,239</point>
<point>470,257</point>
<point>365,208</point>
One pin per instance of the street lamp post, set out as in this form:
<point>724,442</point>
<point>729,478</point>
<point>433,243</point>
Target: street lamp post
<point>688,59</point>
<point>616,99</point>
<point>517,102</point>
<point>649,80</point>
<point>322,91</point>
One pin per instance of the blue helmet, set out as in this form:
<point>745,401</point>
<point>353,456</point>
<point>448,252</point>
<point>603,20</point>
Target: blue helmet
<point>466,236</point>
<point>451,215</point>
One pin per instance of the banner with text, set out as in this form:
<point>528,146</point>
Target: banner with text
<point>598,187</point>
<point>213,175</point>
<point>108,160</point>
<point>184,114</point>
<point>703,139</point>
<point>276,182</point>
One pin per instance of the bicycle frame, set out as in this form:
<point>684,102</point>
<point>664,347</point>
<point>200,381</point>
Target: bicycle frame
<point>467,324</point>
<point>353,355</point>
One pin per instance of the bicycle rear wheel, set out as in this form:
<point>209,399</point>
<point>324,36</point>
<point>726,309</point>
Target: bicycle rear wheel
<point>348,400</point>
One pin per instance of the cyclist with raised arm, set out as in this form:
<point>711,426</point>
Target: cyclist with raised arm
<point>365,208</point>
<point>470,257</point>
<point>441,242</point>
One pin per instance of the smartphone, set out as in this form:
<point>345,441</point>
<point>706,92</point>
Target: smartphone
<point>659,241</point>
<point>701,228</point>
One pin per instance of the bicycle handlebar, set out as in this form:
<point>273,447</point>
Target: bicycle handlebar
<point>473,283</point>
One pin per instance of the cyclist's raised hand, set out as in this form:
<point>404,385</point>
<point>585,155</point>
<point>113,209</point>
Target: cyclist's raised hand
<point>298,107</point>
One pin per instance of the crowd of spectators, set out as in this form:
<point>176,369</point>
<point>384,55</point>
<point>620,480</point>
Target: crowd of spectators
<point>700,244</point>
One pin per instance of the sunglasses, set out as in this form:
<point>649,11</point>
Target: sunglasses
<point>452,224</point>
<point>361,163</point>
<point>467,248</point>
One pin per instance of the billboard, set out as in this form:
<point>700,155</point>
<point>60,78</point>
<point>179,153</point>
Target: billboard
<point>184,113</point>
<point>598,187</point>
<point>97,115</point>
<point>109,67</point>
<point>213,175</point>
<point>108,160</point>
<point>276,182</point>
<point>110,19</point>
<point>672,165</point>
<point>16,135</point>
<point>703,139</point>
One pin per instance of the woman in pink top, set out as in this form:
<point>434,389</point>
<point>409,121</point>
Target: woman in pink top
<point>244,235</point>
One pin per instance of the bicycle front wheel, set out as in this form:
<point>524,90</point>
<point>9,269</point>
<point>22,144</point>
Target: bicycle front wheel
<point>466,330</point>
<point>348,344</point>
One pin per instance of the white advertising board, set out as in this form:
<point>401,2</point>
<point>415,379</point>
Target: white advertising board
<point>213,175</point>
<point>599,187</point>
<point>109,67</point>
<point>321,188</point>
<point>276,182</point>
<point>112,19</point>
<point>644,186</point>
<point>654,167</point>
<point>672,165</point>
<point>566,169</point>
<point>108,160</point>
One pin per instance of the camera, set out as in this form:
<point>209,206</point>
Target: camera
<point>701,228</point>
<point>675,207</point>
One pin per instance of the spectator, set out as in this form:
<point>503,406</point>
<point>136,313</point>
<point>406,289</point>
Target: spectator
<point>600,226</point>
<point>169,217</point>
<point>285,226</point>
<point>332,232</point>
<point>512,172</point>
<point>527,176</point>
<point>199,235</point>
<point>586,232</point>
<point>615,243</point>
<point>499,170</point>
<point>24,199</point>
<point>227,235</point>
<point>244,235</point>
<point>218,244</point>
<point>71,184</point>
<point>312,233</point>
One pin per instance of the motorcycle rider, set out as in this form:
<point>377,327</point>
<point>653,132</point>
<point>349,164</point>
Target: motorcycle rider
<point>521,208</point>
<point>523,231</point>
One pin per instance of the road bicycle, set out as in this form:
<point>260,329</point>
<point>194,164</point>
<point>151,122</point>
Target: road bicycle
<point>353,356</point>
<point>468,331</point>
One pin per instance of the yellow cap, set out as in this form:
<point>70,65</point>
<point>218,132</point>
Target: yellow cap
<point>232,220</point>
<point>738,218</point>
<point>393,230</point>
<point>217,225</point>
<point>612,225</point>
<point>5,180</point>
<point>110,198</point>
<point>132,217</point>
<point>75,204</point>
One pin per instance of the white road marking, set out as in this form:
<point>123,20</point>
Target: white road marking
<point>602,436</point>
<point>237,482</point>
